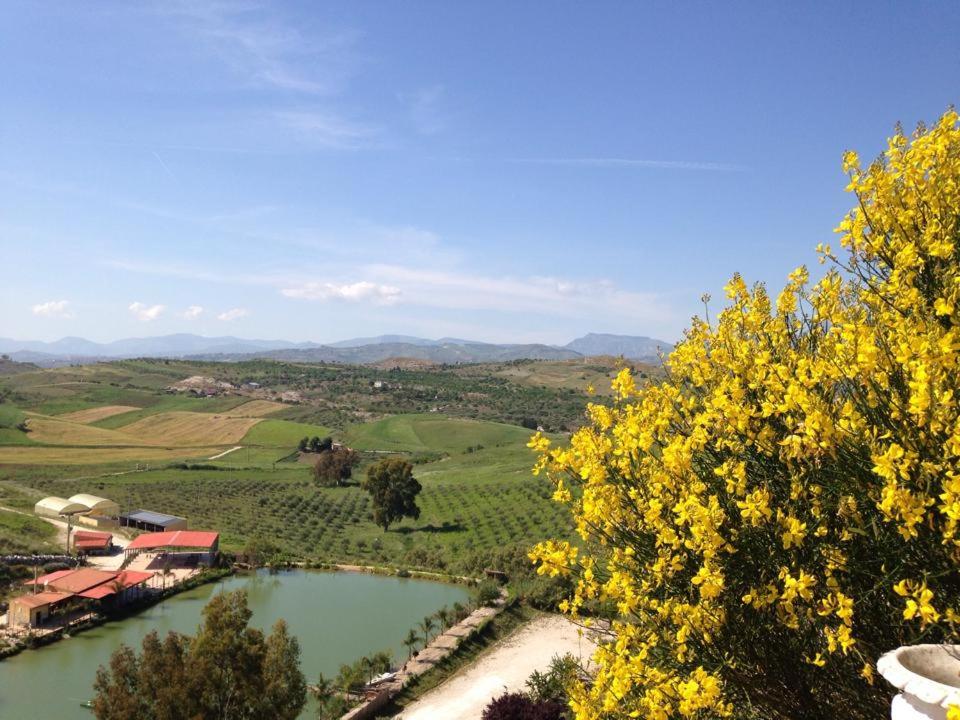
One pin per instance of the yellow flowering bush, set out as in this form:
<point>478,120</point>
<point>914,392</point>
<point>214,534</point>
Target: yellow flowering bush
<point>762,525</point>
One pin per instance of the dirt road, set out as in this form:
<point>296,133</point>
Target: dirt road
<point>506,667</point>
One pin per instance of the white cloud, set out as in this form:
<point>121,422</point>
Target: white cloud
<point>193,312</point>
<point>146,313</point>
<point>265,48</point>
<point>559,297</point>
<point>233,314</point>
<point>327,130</point>
<point>54,309</point>
<point>353,292</point>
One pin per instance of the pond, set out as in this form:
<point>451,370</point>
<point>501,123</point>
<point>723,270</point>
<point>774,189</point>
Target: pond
<point>337,617</point>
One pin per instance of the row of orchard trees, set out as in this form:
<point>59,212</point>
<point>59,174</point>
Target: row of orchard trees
<point>784,508</point>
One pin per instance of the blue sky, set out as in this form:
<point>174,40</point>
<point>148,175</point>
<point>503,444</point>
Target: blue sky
<point>500,171</point>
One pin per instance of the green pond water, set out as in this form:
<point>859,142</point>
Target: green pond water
<point>337,617</point>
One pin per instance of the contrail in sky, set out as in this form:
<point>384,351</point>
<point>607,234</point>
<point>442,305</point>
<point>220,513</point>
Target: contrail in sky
<point>160,160</point>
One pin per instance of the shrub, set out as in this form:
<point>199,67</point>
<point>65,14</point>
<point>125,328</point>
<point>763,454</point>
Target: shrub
<point>552,685</point>
<point>785,508</point>
<point>518,706</point>
<point>488,592</point>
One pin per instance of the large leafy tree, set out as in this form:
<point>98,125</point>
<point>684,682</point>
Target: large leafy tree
<point>784,508</point>
<point>335,466</point>
<point>393,490</point>
<point>228,671</point>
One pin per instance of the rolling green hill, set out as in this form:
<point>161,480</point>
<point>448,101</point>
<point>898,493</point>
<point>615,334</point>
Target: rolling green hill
<point>419,433</point>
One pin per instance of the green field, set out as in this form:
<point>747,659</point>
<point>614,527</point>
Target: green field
<point>25,533</point>
<point>418,433</point>
<point>479,498</point>
<point>282,433</point>
<point>172,403</point>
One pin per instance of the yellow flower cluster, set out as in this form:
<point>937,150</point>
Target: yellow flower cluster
<point>784,507</point>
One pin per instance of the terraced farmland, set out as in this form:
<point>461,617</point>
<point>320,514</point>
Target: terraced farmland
<point>33,454</point>
<point>55,431</point>
<point>190,428</point>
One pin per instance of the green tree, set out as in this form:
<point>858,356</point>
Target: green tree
<point>427,626</point>
<point>228,670</point>
<point>335,466</point>
<point>411,641</point>
<point>323,688</point>
<point>443,616</point>
<point>118,689</point>
<point>393,490</point>
<point>284,685</point>
<point>303,444</point>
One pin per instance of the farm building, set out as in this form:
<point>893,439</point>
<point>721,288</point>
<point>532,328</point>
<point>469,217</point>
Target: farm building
<point>90,582</point>
<point>92,543</point>
<point>65,592</point>
<point>35,609</point>
<point>54,507</point>
<point>153,522</point>
<point>100,511</point>
<point>188,543</point>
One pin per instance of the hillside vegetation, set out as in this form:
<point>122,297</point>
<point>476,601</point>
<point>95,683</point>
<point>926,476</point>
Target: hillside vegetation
<point>229,462</point>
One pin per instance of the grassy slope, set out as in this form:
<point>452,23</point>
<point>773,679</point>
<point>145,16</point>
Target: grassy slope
<point>95,456</point>
<point>25,533</point>
<point>54,431</point>
<point>10,418</point>
<point>183,428</point>
<point>256,408</point>
<point>282,433</point>
<point>417,433</point>
<point>93,414</point>
<point>173,403</point>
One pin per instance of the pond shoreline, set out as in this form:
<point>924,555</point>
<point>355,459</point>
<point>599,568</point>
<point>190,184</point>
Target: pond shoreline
<point>337,617</point>
<point>214,575</point>
<point>32,642</point>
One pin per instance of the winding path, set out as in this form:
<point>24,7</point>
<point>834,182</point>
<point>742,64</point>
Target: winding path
<point>504,668</point>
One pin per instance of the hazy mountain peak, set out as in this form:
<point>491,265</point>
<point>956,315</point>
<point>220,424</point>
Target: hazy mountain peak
<point>634,347</point>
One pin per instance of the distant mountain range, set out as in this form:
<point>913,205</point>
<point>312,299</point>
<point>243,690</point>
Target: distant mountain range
<point>355,351</point>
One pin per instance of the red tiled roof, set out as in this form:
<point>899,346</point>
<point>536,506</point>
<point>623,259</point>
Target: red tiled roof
<point>125,579</point>
<point>99,592</point>
<point>77,581</point>
<point>129,578</point>
<point>91,535</point>
<point>92,544</point>
<point>50,577</point>
<point>36,600</point>
<point>175,538</point>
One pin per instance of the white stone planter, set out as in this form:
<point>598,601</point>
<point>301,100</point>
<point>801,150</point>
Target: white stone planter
<point>928,678</point>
